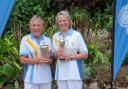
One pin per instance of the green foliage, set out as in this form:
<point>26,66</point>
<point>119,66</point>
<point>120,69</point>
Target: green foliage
<point>102,14</point>
<point>79,15</point>
<point>9,61</point>
<point>49,32</point>
<point>82,19</point>
<point>50,27</point>
<point>9,86</point>
<point>103,17</point>
<point>96,57</point>
<point>89,71</point>
<point>16,84</point>
<point>23,11</point>
<point>102,21</point>
<point>8,71</point>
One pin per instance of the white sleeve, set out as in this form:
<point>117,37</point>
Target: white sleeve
<point>23,48</point>
<point>82,48</point>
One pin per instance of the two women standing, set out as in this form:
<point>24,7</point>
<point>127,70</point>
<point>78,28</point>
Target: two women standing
<point>68,49</point>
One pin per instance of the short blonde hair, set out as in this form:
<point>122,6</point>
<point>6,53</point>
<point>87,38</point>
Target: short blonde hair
<point>35,17</point>
<point>66,14</point>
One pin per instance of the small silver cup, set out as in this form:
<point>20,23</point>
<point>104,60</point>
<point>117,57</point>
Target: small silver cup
<point>62,43</point>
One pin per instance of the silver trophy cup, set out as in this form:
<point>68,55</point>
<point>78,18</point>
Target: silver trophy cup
<point>62,45</point>
<point>44,50</point>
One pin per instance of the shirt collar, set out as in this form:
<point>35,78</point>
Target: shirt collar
<point>41,38</point>
<point>69,32</point>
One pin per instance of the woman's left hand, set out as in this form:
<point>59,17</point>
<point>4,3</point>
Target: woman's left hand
<point>45,60</point>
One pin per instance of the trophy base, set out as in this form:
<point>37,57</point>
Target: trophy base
<point>62,59</point>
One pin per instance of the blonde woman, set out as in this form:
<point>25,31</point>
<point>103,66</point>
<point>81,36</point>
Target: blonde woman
<point>37,71</point>
<point>69,49</point>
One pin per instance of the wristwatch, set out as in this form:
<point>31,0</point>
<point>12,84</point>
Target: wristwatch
<point>71,57</point>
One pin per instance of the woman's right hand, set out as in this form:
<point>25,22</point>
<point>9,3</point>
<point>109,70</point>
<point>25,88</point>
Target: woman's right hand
<point>59,53</point>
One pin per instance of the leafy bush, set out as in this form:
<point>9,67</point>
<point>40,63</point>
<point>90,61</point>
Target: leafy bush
<point>102,21</point>
<point>83,21</point>
<point>99,52</point>
<point>9,61</point>
<point>23,11</point>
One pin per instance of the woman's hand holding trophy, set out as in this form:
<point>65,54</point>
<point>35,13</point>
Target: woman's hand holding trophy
<point>60,54</point>
<point>60,51</point>
<point>45,54</point>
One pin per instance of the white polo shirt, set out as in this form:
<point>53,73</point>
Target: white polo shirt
<point>74,43</point>
<point>30,47</point>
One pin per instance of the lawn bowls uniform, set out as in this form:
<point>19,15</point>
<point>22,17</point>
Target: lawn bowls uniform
<point>69,72</point>
<point>35,74</point>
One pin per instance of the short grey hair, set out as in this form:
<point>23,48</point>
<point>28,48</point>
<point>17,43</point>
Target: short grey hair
<point>35,17</point>
<point>66,14</point>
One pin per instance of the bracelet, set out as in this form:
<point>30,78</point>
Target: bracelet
<point>36,62</point>
<point>41,61</point>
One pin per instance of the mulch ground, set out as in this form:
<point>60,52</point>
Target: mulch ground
<point>102,77</point>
